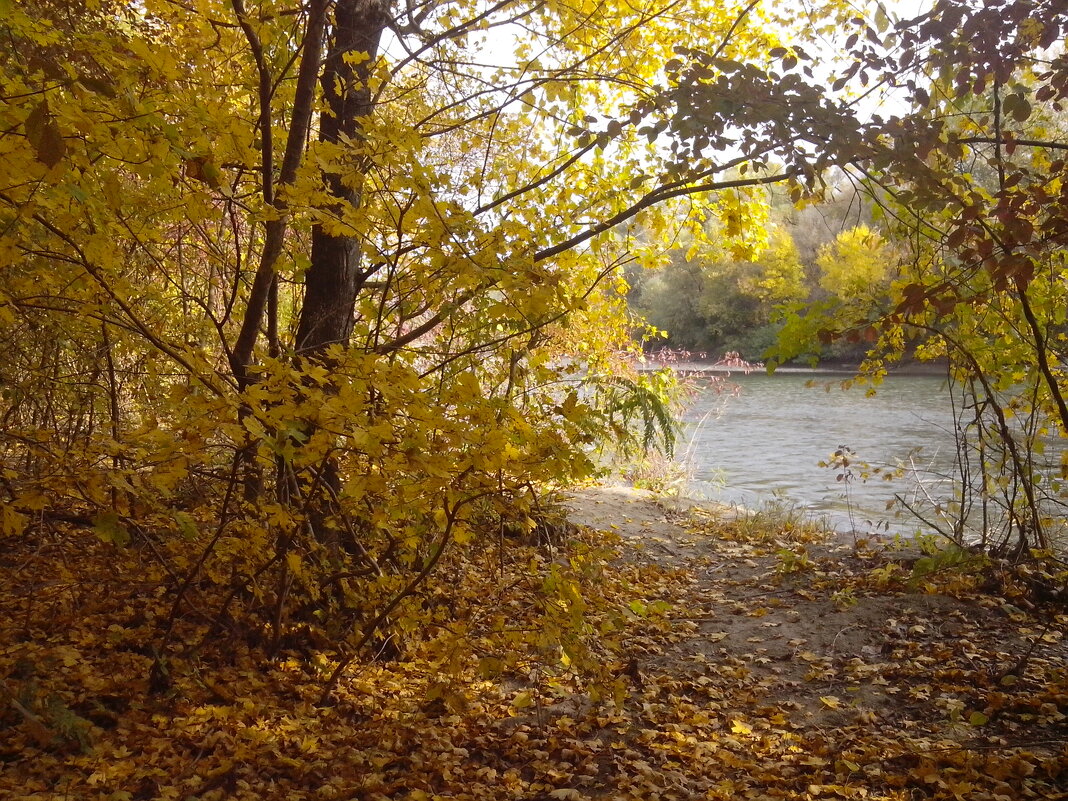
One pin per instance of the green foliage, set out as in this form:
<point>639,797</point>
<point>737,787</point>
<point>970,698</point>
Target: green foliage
<point>802,335</point>
<point>707,301</point>
<point>638,410</point>
<point>669,298</point>
<point>792,561</point>
<point>948,557</point>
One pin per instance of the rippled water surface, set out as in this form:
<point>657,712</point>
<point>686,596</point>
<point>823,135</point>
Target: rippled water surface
<point>769,438</point>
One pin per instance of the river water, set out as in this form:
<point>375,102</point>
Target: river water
<point>764,437</point>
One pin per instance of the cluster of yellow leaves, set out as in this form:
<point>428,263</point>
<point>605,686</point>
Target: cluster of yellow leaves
<point>858,263</point>
<point>136,206</point>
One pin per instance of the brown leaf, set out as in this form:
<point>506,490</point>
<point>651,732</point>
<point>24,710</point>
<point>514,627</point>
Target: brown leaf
<point>44,136</point>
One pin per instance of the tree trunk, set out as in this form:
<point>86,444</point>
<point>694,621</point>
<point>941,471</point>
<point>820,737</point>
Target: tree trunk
<point>334,278</point>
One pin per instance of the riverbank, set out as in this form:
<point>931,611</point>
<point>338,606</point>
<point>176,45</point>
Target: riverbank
<point>802,667</point>
<point>652,652</point>
<point>844,369</point>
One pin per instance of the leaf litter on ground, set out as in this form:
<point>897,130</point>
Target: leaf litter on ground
<point>715,656</point>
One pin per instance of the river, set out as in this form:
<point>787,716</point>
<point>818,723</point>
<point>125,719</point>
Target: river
<point>765,440</point>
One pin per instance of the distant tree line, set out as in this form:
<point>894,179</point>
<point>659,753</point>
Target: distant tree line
<point>711,297</point>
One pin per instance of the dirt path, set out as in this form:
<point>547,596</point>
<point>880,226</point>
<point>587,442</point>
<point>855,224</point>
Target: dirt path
<point>638,517</point>
<point>752,603</point>
<point>832,647</point>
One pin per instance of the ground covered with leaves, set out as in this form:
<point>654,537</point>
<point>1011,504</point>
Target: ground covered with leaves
<point>647,656</point>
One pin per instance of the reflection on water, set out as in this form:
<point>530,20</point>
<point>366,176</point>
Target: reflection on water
<point>770,438</point>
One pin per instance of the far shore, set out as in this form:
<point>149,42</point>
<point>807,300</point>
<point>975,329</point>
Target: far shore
<point>758,368</point>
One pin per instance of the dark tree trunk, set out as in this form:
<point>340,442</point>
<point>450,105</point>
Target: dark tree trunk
<point>334,278</point>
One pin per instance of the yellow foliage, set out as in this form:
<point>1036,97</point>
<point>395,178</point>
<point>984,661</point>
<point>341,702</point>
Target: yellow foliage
<point>856,264</point>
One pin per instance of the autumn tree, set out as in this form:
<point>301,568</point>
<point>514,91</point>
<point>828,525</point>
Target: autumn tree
<point>970,184</point>
<point>707,301</point>
<point>317,292</point>
<point>313,296</point>
<point>858,262</point>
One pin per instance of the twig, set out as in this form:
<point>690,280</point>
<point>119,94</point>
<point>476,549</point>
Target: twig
<point>38,728</point>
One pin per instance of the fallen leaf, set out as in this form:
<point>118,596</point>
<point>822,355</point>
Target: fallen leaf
<point>737,727</point>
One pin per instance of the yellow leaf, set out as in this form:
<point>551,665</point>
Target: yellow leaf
<point>830,702</point>
<point>737,727</point>
<point>294,562</point>
<point>12,523</point>
<point>68,655</point>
